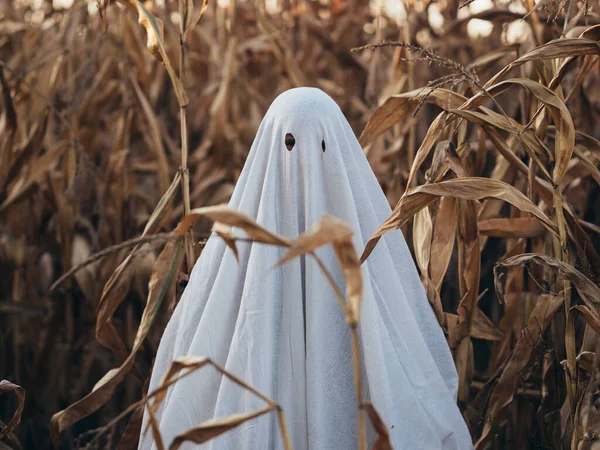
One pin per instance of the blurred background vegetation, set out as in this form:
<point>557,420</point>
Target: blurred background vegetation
<point>91,139</point>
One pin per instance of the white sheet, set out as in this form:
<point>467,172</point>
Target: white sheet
<point>282,330</point>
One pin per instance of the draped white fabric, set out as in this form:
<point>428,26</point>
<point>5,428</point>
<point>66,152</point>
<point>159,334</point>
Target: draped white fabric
<point>282,330</point>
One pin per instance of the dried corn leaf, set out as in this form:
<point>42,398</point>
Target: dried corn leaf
<point>589,292</point>
<point>402,106</point>
<point>442,244</point>
<point>565,142</point>
<point>161,284</point>
<point>225,232</point>
<point>348,261</point>
<point>558,48</point>
<point>422,235</point>
<point>327,230</point>
<point>514,227</point>
<point>213,428</point>
<point>470,188</point>
<point>7,386</point>
<point>469,268</point>
<point>532,144</point>
<point>208,429</point>
<point>433,134</point>
<point>233,218</point>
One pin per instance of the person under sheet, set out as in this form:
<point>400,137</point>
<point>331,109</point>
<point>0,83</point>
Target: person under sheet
<point>281,329</point>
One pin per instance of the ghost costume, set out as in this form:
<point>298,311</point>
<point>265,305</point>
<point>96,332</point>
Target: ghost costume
<point>281,329</point>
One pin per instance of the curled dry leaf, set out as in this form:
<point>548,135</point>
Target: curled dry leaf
<point>161,284</point>
<point>531,143</point>
<point>233,218</point>
<point>189,363</point>
<point>213,428</point>
<point>422,234</point>
<point>225,232</point>
<point>331,230</point>
<point>433,133</point>
<point>348,260</point>
<point>469,188</point>
<point>327,230</point>
<point>514,227</point>
<point>589,292</point>
<point>7,386</point>
<point>442,244</point>
<point>469,268</point>
<point>558,48</point>
<point>400,107</point>
<point>192,364</point>
<point>565,141</point>
<point>422,241</point>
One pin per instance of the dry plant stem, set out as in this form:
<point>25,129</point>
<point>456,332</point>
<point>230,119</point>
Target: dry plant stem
<point>570,346</point>
<point>353,322</point>
<point>362,428</point>
<point>285,435</point>
<point>412,137</point>
<point>164,387</point>
<point>185,173</point>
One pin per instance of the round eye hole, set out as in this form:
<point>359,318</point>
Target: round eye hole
<point>289,141</point>
<point>323,145</point>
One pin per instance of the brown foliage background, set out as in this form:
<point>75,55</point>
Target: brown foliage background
<point>486,145</point>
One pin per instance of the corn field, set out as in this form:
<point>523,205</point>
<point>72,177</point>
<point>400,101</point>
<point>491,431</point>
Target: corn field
<point>125,124</point>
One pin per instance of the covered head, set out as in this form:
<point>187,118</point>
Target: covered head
<point>305,162</point>
<point>281,329</point>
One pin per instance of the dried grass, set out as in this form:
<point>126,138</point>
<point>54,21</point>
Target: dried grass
<point>111,131</point>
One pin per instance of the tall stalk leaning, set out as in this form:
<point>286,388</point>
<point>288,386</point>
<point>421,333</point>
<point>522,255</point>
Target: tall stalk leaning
<point>187,22</point>
<point>185,173</point>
